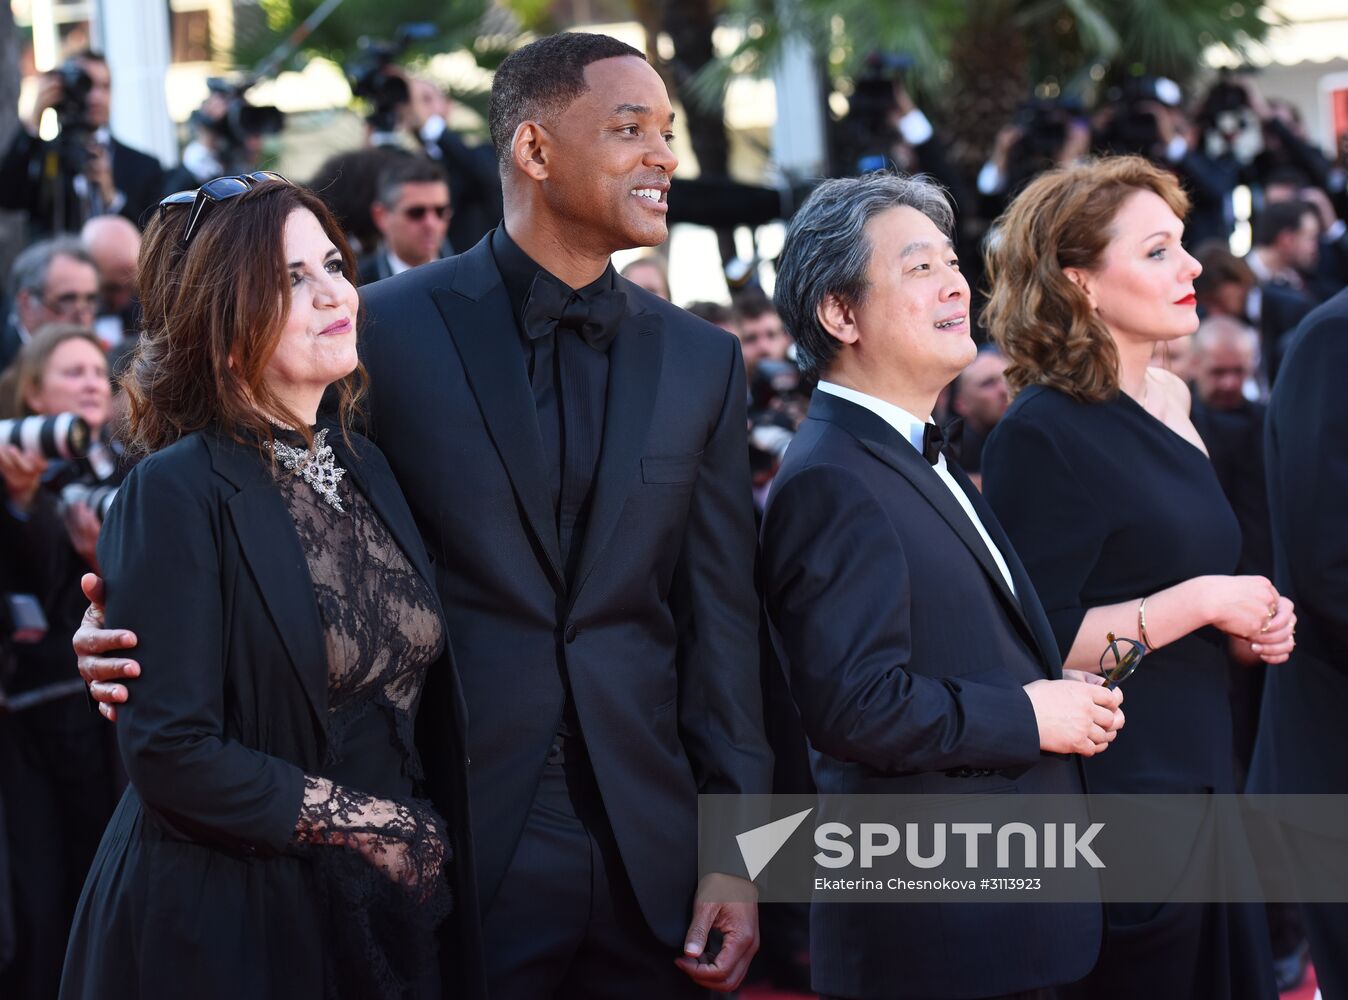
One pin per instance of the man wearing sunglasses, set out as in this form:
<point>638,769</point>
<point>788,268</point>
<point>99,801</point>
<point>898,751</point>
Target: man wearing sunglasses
<point>412,213</point>
<point>53,281</point>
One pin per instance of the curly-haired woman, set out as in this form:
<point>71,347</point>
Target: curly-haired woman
<point>1107,492</point>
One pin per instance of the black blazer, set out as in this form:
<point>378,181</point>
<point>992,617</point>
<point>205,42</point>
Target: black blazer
<point>137,175</point>
<point>373,267</point>
<point>906,653</point>
<point>658,633</point>
<point>1302,743</point>
<point>192,892</point>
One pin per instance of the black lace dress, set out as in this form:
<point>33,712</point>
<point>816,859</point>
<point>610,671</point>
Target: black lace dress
<point>379,849</point>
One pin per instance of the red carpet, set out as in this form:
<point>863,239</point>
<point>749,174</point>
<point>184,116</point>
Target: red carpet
<point>1306,991</point>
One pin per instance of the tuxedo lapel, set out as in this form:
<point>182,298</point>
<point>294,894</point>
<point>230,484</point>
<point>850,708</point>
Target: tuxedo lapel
<point>271,547</point>
<point>476,310</point>
<point>885,443</point>
<point>633,376</point>
<point>1032,612</point>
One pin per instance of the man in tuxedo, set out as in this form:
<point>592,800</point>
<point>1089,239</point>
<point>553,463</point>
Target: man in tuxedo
<point>1302,741</point>
<point>573,450</point>
<point>114,177</point>
<point>913,642</point>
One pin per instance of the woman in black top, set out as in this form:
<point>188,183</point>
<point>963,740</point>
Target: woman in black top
<point>286,831</point>
<point>57,774</point>
<point>1108,495</point>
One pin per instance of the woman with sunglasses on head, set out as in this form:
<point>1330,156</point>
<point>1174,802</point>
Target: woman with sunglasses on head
<point>289,832</point>
<point>1107,492</point>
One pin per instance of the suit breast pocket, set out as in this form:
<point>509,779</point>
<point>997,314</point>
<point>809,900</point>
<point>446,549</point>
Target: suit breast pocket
<point>670,470</point>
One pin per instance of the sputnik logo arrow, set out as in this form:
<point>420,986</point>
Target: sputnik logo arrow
<point>761,844</point>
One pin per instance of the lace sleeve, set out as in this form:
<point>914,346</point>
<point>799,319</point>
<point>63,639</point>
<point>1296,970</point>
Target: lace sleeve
<point>404,840</point>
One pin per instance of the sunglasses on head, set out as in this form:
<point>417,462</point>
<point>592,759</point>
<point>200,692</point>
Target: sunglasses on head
<point>1120,659</point>
<point>213,192</point>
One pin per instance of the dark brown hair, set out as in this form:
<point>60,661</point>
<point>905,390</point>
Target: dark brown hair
<point>213,316</point>
<point>1037,315</point>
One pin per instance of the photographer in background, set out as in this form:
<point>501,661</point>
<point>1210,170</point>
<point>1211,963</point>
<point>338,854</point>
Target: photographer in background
<point>884,128</point>
<point>55,758</point>
<point>84,171</point>
<point>228,135</point>
<point>474,183</point>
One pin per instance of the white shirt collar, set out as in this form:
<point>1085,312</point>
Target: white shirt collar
<point>911,428</point>
<point>396,264</point>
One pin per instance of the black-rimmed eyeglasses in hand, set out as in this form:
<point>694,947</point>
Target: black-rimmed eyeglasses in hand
<point>212,193</point>
<point>1120,658</point>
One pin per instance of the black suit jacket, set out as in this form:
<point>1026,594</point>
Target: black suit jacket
<point>658,631</point>
<point>137,175</point>
<point>907,654</point>
<point>1302,740</point>
<point>373,267</point>
<point>192,891</point>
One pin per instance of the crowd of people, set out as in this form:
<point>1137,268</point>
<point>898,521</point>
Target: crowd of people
<point>516,530</point>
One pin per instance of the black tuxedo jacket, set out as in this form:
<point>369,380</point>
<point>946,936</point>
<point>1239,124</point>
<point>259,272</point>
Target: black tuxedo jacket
<point>193,890</point>
<point>137,175</point>
<point>1302,742</point>
<point>657,632</point>
<point>906,653</point>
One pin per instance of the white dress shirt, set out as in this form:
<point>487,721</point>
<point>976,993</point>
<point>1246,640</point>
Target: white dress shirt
<point>911,429</point>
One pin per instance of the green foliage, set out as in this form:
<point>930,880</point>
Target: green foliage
<point>337,37</point>
<point>1062,40</point>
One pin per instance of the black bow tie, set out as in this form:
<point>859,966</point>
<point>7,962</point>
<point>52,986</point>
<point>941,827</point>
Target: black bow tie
<point>550,306</point>
<point>934,439</point>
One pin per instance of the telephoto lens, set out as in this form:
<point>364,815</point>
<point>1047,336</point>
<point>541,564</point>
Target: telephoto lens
<point>97,498</point>
<point>65,435</point>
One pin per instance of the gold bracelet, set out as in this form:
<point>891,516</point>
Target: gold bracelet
<point>1142,624</point>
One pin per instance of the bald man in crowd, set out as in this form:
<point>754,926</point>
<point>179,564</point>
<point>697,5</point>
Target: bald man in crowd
<point>114,244</point>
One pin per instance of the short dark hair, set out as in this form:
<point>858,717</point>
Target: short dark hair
<point>1277,219</point>
<point>406,170</point>
<point>753,304</point>
<point>712,312</point>
<point>541,80</point>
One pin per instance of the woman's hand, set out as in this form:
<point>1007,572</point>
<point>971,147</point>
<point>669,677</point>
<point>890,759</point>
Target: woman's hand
<point>407,844</point>
<point>1242,606</point>
<point>22,473</point>
<point>1278,638</point>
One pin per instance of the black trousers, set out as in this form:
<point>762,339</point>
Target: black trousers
<point>58,783</point>
<point>565,923</point>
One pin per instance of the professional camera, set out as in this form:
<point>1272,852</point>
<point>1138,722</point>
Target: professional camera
<point>1133,126</point>
<point>240,123</point>
<point>72,114</point>
<point>97,498</point>
<point>1045,125</point>
<point>373,77</point>
<point>65,435</point>
<point>1228,123</point>
<point>867,134</point>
